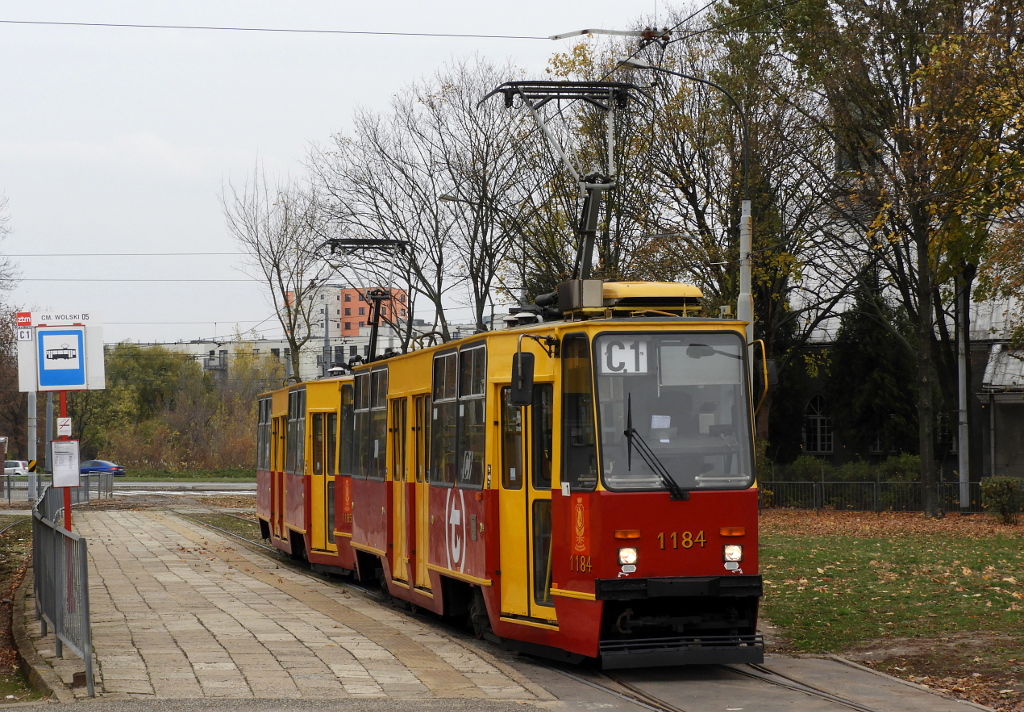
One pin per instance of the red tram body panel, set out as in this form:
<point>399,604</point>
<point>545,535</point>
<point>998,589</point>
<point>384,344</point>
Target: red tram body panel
<point>582,488</point>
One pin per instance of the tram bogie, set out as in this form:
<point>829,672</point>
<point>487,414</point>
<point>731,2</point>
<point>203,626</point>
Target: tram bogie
<point>599,503</point>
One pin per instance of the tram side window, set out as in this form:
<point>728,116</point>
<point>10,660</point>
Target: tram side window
<point>263,435</point>
<point>348,445</point>
<point>443,420</point>
<point>472,416</point>
<point>579,460</point>
<point>377,467</point>
<point>294,461</point>
<point>364,448</point>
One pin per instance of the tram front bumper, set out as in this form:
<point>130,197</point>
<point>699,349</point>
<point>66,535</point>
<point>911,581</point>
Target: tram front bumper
<point>680,621</point>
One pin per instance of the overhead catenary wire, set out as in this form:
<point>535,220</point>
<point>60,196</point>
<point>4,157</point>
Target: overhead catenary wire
<point>281,30</point>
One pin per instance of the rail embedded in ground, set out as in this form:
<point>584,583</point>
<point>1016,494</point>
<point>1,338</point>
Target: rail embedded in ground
<point>60,563</point>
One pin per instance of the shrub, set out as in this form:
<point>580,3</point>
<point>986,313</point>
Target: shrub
<point>1003,497</point>
<point>806,469</point>
<point>855,471</point>
<point>900,468</point>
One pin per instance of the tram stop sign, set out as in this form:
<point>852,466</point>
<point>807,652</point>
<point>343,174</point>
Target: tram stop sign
<point>61,357</point>
<point>60,352</point>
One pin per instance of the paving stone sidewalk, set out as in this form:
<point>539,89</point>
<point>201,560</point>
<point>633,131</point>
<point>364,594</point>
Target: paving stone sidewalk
<point>179,611</point>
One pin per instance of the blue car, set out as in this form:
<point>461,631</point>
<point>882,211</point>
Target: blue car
<point>101,466</point>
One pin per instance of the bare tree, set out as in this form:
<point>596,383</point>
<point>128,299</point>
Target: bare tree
<point>280,228</point>
<point>380,188</point>
<point>9,272</point>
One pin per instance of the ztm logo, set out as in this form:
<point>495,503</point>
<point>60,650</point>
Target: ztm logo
<point>24,319</point>
<point>455,529</point>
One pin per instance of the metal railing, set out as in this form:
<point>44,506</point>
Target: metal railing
<point>60,564</point>
<point>29,488</point>
<point>866,496</point>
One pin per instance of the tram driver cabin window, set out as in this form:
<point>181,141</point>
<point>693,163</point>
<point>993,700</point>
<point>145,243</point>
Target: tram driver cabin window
<point>579,464</point>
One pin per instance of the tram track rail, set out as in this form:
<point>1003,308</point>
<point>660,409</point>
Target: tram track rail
<point>628,691</point>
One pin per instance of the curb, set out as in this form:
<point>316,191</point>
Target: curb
<point>37,672</point>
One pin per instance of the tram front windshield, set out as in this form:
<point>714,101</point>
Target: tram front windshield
<point>675,405</point>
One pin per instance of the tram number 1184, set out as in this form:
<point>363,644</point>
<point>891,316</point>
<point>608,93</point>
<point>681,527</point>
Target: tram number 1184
<point>684,540</point>
<point>580,564</point>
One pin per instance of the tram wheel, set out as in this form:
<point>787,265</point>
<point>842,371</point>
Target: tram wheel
<point>478,616</point>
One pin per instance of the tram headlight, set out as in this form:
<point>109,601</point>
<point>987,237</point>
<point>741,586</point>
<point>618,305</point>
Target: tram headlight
<point>733,552</point>
<point>627,555</point>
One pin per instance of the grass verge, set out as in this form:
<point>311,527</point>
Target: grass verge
<point>935,601</point>
<point>15,549</point>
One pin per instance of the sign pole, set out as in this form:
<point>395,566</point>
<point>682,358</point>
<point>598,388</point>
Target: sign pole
<point>67,490</point>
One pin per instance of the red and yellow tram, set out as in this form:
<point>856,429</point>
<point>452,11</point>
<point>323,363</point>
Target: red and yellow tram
<point>579,488</point>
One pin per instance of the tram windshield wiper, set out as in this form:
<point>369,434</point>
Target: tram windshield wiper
<point>648,455</point>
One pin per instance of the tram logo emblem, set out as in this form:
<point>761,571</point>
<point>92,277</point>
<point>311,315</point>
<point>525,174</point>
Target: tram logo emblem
<point>581,524</point>
<point>455,529</point>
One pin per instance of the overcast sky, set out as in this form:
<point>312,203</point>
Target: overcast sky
<point>116,141</point>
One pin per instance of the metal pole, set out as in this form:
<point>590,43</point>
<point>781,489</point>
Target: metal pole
<point>963,432</point>
<point>49,431</point>
<point>67,490</point>
<point>745,300</point>
<point>327,345</point>
<point>32,449</point>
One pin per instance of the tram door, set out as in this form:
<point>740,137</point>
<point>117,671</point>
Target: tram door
<point>421,506</point>
<point>400,507</point>
<point>277,457</point>
<point>525,506</point>
<point>323,467</point>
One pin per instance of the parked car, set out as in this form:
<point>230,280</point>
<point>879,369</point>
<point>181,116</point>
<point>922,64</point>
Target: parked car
<point>15,467</point>
<point>101,466</point>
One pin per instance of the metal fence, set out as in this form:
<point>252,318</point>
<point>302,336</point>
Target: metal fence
<point>60,564</point>
<point>866,496</point>
<point>28,488</point>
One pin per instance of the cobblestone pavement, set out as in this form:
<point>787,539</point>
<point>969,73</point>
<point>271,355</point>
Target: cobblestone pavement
<point>179,611</point>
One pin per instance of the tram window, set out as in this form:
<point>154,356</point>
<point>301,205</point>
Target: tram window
<point>686,405</point>
<point>442,443</point>
<point>445,383</point>
<point>332,444</point>
<point>348,451</point>
<point>472,416</point>
<point>318,444</point>
<point>444,420</point>
<point>263,435</point>
<point>421,428</point>
<point>472,372</point>
<point>296,432</point>
<point>398,433</point>
<point>472,430</point>
<point>542,415</point>
<point>542,552</point>
<point>376,466</point>
<point>511,443</point>
<point>579,461</point>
